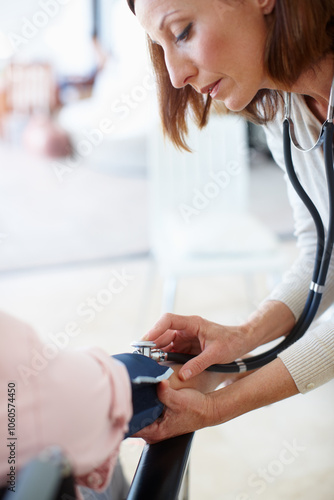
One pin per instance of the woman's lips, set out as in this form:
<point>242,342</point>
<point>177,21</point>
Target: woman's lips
<point>211,89</point>
<point>215,89</point>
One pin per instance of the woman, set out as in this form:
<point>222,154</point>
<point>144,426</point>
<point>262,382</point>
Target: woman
<point>245,54</point>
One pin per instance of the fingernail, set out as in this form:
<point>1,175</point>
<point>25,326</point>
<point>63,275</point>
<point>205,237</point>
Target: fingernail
<point>186,374</point>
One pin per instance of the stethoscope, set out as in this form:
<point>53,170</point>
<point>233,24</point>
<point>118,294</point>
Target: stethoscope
<point>324,249</point>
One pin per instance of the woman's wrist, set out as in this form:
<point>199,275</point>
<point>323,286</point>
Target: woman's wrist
<point>265,386</point>
<point>273,319</point>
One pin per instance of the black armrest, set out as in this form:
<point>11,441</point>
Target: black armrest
<point>161,469</point>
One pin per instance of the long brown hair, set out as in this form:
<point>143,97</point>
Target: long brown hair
<point>300,33</point>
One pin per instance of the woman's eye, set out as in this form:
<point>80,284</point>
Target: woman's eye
<point>185,34</point>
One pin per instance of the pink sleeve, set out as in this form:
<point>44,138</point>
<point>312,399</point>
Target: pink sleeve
<point>87,411</point>
<point>79,400</point>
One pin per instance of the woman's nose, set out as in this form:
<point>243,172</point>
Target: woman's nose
<point>180,69</point>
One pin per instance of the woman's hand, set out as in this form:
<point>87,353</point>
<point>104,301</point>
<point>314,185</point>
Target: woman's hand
<point>210,342</point>
<point>186,406</point>
<point>213,343</point>
<point>186,410</point>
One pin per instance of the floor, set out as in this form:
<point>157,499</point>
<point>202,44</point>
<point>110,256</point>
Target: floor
<point>46,280</point>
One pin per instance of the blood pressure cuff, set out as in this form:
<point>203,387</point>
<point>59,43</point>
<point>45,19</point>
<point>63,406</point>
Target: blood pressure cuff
<point>145,374</point>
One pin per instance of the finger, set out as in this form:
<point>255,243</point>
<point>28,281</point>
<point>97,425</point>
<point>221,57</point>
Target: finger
<point>150,433</point>
<point>197,365</point>
<point>168,396</point>
<point>169,348</point>
<point>164,340</point>
<point>186,344</point>
<point>171,322</point>
<point>162,392</point>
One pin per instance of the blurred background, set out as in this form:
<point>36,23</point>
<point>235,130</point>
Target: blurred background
<point>91,195</point>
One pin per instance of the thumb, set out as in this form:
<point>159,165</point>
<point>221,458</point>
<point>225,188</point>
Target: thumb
<point>196,365</point>
<point>166,394</point>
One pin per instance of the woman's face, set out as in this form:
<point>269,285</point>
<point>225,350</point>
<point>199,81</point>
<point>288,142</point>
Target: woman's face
<point>215,46</point>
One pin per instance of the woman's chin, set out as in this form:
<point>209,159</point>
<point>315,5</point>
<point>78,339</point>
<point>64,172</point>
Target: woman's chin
<point>234,106</point>
<point>233,103</point>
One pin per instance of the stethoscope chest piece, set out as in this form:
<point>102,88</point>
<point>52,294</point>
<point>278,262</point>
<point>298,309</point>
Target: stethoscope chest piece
<point>143,347</point>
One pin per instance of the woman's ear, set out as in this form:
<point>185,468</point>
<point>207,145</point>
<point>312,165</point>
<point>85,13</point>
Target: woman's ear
<point>267,6</point>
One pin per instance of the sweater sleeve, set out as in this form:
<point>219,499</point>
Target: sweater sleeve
<point>310,360</point>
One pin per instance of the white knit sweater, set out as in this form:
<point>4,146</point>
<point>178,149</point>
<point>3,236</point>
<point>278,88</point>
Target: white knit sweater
<point>310,360</point>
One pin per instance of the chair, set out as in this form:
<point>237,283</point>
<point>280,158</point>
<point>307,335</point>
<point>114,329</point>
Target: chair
<point>30,88</point>
<point>159,475</point>
<point>200,224</point>
<point>46,477</point>
<point>27,90</point>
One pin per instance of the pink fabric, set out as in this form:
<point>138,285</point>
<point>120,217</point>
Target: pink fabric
<point>79,400</point>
